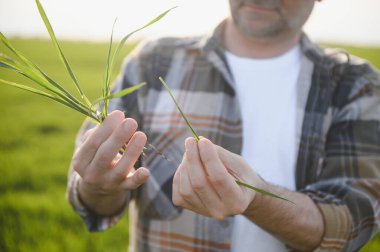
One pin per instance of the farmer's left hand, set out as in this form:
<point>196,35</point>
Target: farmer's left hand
<point>205,180</point>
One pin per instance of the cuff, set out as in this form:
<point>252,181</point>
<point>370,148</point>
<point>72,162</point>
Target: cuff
<point>338,226</point>
<point>93,222</point>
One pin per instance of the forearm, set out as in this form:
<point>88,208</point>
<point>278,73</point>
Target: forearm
<point>298,225</point>
<point>100,203</point>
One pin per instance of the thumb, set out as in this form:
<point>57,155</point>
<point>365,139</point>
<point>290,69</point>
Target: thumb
<point>234,163</point>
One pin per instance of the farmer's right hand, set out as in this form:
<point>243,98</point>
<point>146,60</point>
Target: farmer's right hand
<point>106,176</point>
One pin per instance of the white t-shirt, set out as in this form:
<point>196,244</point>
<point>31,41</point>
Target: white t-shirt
<point>266,89</point>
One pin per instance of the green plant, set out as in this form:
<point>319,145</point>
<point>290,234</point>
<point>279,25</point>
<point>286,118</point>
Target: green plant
<point>55,91</point>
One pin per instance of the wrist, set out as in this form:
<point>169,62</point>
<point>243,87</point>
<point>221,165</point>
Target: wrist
<point>100,202</point>
<point>258,198</point>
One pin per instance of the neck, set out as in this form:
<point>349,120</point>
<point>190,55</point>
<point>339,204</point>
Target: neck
<point>261,48</point>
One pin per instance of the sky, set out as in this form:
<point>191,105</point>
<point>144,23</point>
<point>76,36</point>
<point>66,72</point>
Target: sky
<point>353,22</point>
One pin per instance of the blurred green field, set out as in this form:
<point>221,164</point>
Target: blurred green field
<point>36,144</point>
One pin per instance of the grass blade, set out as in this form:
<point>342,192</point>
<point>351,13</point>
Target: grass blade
<point>197,139</point>
<point>111,58</point>
<point>121,93</point>
<point>34,69</point>
<point>17,67</point>
<point>107,75</point>
<point>262,191</point>
<point>41,79</point>
<point>60,53</point>
<point>50,96</point>
<point>19,55</point>
<point>27,88</point>
<point>125,38</point>
<point>179,109</point>
<point>55,91</point>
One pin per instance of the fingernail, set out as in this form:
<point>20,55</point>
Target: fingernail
<point>129,123</point>
<point>117,113</point>
<point>144,172</point>
<point>139,139</point>
<point>203,142</point>
<point>189,142</point>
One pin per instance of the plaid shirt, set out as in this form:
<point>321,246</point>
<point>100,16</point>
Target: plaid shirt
<point>338,134</point>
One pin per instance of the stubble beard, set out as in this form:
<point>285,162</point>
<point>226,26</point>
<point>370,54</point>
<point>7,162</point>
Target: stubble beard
<point>270,30</point>
<point>265,27</point>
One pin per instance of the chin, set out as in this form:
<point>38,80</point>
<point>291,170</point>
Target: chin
<point>259,29</point>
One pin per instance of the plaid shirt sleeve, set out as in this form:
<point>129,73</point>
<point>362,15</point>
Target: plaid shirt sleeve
<point>348,188</point>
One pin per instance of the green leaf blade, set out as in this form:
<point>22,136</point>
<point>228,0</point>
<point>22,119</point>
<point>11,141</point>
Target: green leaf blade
<point>59,50</point>
<point>121,93</point>
<point>111,58</point>
<point>262,191</point>
<point>33,70</point>
<point>107,75</point>
<point>125,38</point>
<point>179,109</point>
<point>47,95</point>
<point>19,55</point>
<point>26,88</point>
<point>36,75</point>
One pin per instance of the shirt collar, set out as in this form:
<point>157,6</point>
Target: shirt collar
<point>213,42</point>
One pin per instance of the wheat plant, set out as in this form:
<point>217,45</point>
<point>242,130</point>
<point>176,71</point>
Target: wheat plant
<point>47,87</point>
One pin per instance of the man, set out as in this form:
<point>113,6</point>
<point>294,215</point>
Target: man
<point>275,111</point>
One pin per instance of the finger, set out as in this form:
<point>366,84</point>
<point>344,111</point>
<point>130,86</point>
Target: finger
<point>82,138</point>
<point>230,161</point>
<point>177,199</point>
<point>218,175</point>
<point>187,192</point>
<point>110,148</point>
<point>135,178</point>
<point>199,181</point>
<point>88,133</point>
<point>131,154</point>
<point>233,161</point>
<point>88,149</point>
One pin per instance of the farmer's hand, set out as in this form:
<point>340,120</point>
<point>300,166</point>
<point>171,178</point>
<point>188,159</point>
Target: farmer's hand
<point>205,180</point>
<point>203,183</point>
<point>105,174</point>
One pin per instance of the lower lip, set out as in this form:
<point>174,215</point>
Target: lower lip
<point>257,8</point>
